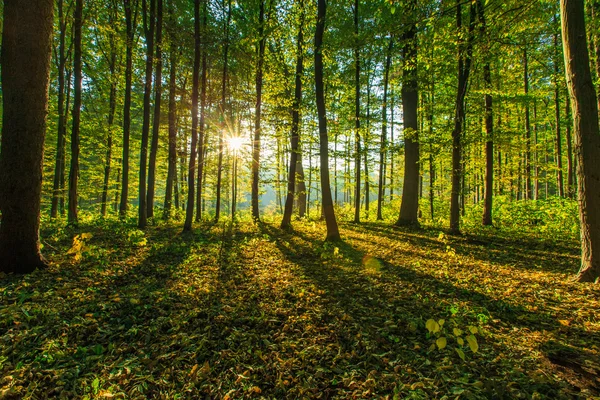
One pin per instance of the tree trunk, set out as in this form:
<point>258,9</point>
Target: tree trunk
<point>149,32</point>
<point>527,191</point>
<point>62,114</point>
<point>333,233</point>
<point>111,119</point>
<point>587,136</point>
<point>157,103</point>
<point>489,123</point>
<point>383,147</point>
<point>464,69</point>
<point>559,166</point>
<point>223,111</point>
<point>295,139</point>
<point>77,71</point>
<point>202,123</point>
<point>129,21</point>
<point>25,59</point>
<point>189,214</point>
<point>172,168</point>
<point>258,109</point>
<point>356,117</point>
<point>410,103</point>
<point>570,169</point>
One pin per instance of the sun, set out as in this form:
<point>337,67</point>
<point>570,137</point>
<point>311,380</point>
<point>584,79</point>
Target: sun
<point>235,143</point>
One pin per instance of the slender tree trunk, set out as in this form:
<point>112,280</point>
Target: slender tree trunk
<point>587,136</point>
<point>223,110</point>
<point>157,104</point>
<point>61,202</point>
<point>25,59</point>
<point>74,171</point>
<point>489,123</point>
<point>189,214</point>
<point>384,144</point>
<point>149,31</point>
<point>257,117</point>
<point>129,21</point>
<point>464,69</point>
<point>111,119</point>
<point>202,123</point>
<point>527,191</point>
<point>295,138</point>
<point>356,117</point>
<point>559,166</point>
<point>172,168</point>
<point>332,227</point>
<point>62,113</point>
<point>410,102</point>
<point>571,189</point>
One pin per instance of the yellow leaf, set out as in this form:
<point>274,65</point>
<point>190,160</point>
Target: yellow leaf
<point>417,385</point>
<point>441,342</point>
<point>457,332</point>
<point>460,341</point>
<point>472,329</point>
<point>461,353</point>
<point>564,322</point>
<point>472,341</point>
<point>432,326</point>
<point>256,389</point>
<point>432,347</point>
<point>441,322</point>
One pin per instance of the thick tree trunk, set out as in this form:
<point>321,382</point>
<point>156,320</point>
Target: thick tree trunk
<point>77,71</point>
<point>587,136</point>
<point>384,144</point>
<point>189,214</point>
<point>332,227</point>
<point>410,102</point>
<point>295,137</point>
<point>25,59</point>
<point>257,116</point>
<point>157,104</point>
<point>129,21</point>
<point>149,32</point>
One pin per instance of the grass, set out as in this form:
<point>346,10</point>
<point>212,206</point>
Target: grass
<point>245,311</point>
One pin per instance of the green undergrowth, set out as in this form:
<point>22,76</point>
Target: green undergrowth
<point>248,311</point>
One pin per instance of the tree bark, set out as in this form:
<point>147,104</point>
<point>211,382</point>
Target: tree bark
<point>78,75</point>
<point>333,233</point>
<point>384,144</point>
<point>149,32</point>
<point>528,192</point>
<point>25,59</point>
<point>587,136</point>
<point>202,123</point>
<point>172,117</point>
<point>295,137</point>
<point>559,164</point>
<point>189,214</point>
<point>410,101</point>
<point>129,21</point>
<point>356,117</point>
<point>157,104</point>
<point>464,69</point>
<point>257,117</point>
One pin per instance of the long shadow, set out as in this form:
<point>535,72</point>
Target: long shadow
<point>355,293</point>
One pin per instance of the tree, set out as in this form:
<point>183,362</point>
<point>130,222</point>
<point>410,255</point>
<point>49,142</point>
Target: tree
<point>328,211</point>
<point>295,137</point>
<point>189,212</point>
<point>149,32</point>
<point>26,50</point>
<point>356,117</point>
<point>410,102</point>
<point>262,39</point>
<point>384,123</point>
<point>587,136</point>
<point>77,70</point>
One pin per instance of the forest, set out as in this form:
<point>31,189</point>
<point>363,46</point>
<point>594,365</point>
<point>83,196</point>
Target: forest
<point>329,199</point>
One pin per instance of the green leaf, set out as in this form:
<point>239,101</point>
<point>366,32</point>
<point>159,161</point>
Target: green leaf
<point>441,342</point>
<point>432,326</point>
<point>461,353</point>
<point>393,10</point>
<point>460,341</point>
<point>472,341</point>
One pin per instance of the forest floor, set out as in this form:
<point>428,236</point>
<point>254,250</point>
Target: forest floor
<point>249,311</point>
